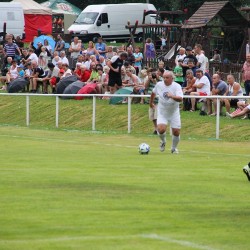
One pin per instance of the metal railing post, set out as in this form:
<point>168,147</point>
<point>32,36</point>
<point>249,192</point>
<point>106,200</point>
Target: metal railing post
<point>94,113</point>
<point>57,111</point>
<point>129,114</point>
<point>218,119</point>
<point>27,110</point>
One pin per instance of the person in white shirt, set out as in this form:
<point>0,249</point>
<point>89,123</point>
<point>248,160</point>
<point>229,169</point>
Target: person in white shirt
<point>32,56</point>
<point>200,57</point>
<point>170,96</point>
<point>180,56</point>
<point>202,86</point>
<point>63,57</point>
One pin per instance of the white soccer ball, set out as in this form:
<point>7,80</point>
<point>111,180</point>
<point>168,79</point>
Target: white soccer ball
<point>144,148</point>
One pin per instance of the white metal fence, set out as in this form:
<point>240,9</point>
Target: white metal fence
<point>94,96</point>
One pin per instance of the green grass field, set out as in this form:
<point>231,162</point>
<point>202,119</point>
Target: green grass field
<point>82,190</point>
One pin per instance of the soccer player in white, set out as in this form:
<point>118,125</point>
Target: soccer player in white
<point>170,95</point>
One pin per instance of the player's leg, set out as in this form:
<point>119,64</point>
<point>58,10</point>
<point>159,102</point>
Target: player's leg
<point>176,128</point>
<point>161,129</point>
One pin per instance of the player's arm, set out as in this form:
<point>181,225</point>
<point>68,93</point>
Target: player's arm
<point>151,101</point>
<point>176,98</point>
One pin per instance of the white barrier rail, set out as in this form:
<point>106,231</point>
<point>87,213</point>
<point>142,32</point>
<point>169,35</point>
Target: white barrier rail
<point>114,95</point>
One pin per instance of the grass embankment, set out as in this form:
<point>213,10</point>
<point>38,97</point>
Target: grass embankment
<point>112,118</point>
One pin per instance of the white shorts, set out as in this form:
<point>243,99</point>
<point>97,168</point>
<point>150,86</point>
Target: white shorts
<point>174,120</point>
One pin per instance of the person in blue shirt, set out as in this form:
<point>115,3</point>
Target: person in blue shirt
<point>100,46</point>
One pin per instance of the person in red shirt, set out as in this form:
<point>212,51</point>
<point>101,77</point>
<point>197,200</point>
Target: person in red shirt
<point>85,73</point>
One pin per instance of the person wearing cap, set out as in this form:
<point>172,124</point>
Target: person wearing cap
<point>202,85</point>
<point>20,71</point>
<point>189,56</point>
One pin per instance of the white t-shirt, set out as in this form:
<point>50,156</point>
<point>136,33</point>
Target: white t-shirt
<point>65,60</point>
<point>202,61</point>
<point>33,57</point>
<point>168,104</point>
<point>206,87</point>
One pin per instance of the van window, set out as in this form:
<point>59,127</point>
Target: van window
<point>87,17</point>
<point>104,18</point>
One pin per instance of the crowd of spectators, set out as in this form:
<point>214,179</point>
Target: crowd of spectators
<point>113,68</point>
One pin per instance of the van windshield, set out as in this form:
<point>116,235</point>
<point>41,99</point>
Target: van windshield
<point>87,17</point>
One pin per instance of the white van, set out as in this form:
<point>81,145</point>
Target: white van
<point>109,21</point>
<point>12,14</point>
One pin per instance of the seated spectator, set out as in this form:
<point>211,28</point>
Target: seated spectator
<point>67,70</point>
<point>37,76</point>
<point>180,56</point>
<point>110,53</point>
<point>245,111</point>
<point>91,50</point>
<point>63,57</point>
<point>100,47</point>
<point>234,89</point>
<point>202,86</point>
<point>131,58</point>
<point>131,79</point>
<point>85,73</point>
<point>48,47</point>
<point>190,80</point>
<point>20,71</point>
<point>216,56</point>
<point>6,67</point>
<point>102,61</point>
<point>105,79</point>
<point>11,74</point>
<point>219,88</point>
<point>77,71</point>
<point>52,78</point>
<point>94,76</point>
<point>32,57</point>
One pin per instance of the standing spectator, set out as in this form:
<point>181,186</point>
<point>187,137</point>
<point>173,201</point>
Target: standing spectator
<point>19,43</point>
<point>101,48</point>
<point>11,48</point>
<point>91,50</point>
<point>131,58</point>
<point>207,62</point>
<point>202,86</point>
<point>138,59</point>
<point>219,88</point>
<point>200,57</point>
<point>189,56</point>
<point>48,47</point>
<point>115,65</point>
<point>246,74</point>
<point>170,95</point>
<point>60,45</point>
<point>234,89</point>
<point>180,56</point>
<point>75,48</point>
<point>43,58</point>
<point>149,51</point>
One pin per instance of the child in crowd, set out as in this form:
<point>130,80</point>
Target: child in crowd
<point>178,73</point>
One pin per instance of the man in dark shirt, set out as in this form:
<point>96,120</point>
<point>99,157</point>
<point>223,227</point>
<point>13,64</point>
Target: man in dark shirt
<point>189,57</point>
<point>115,65</point>
<point>37,75</point>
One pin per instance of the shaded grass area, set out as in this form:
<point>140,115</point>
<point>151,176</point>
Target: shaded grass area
<point>111,118</point>
<point>80,190</point>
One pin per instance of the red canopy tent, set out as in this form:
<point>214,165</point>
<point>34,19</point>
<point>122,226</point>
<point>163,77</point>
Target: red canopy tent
<point>36,17</point>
